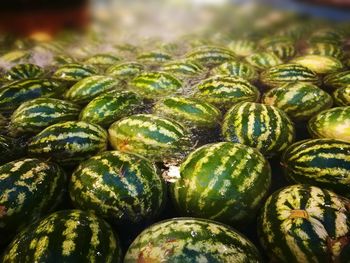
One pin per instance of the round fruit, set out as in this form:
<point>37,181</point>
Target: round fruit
<point>299,100</point>
<point>154,137</point>
<point>303,223</point>
<point>29,189</point>
<point>264,127</point>
<point>223,181</point>
<point>118,186</point>
<point>331,123</point>
<point>191,240</point>
<point>65,236</point>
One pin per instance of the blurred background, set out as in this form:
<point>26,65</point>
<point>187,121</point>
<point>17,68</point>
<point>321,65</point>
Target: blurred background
<point>151,17</point>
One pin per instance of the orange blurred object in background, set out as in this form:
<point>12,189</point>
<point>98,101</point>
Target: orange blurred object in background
<point>42,18</point>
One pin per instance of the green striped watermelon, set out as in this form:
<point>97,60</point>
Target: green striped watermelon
<point>14,56</point>
<point>24,71</point>
<point>321,162</point>
<point>301,223</point>
<point>331,123</point>
<point>62,59</point>
<point>189,111</point>
<point>236,68</point>
<point>153,57</point>
<point>319,64</point>
<point>242,47</point>
<point>326,35</point>
<point>65,236</point>
<point>299,100</point>
<point>182,68</point>
<point>151,85</point>
<point>102,60</point>
<point>125,70</point>
<point>88,88</point>
<point>118,186</point>
<point>12,95</point>
<point>35,115</point>
<point>69,142</point>
<point>325,49</point>
<point>263,60</point>
<point>222,181</point>
<point>286,73</point>
<point>110,107</point>
<point>264,127</point>
<point>73,72</point>
<point>337,80</point>
<point>154,137</point>
<point>225,91</point>
<point>283,50</point>
<point>29,189</point>
<point>341,96</point>
<point>209,56</point>
<point>188,240</point>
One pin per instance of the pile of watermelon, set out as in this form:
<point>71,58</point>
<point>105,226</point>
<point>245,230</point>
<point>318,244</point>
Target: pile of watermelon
<point>211,148</point>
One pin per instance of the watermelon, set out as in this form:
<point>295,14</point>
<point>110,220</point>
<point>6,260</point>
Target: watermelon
<point>118,186</point>
<point>302,223</point>
<point>102,60</point>
<point>15,56</point>
<point>319,63</point>
<point>110,107</point>
<point>189,111</point>
<point>282,50</point>
<point>264,127</point>
<point>154,137</point>
<point>341,96</point>
<point>69,142</point>
<point>153,57</point>
<point>88,88</point>
<point>125,70</point>
<point>222,181</point>
<point>331,123</point>
<point>286,73</point>
<point>182,68</point>
<point>299,100</point>
<point>236,68</point>
<point>209,56</point>
<point>35,115</point>
<point>29,189</point>
<point>65,236</point>
<point>190,240</point>
<point>337,80</point>
<point>12,95</point>
<point>325,49</point>
<point>151,85</point>
<point>263,60</point>
<point>24,71</point>
<point>73,72</point>
<point>242,47</point>
<point>320,162</point>
<point>225,91</point>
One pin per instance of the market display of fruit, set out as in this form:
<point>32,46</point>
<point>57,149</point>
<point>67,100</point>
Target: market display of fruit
<point>231,144</point>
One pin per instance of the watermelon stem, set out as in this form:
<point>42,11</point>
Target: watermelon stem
<point>299,214</point>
